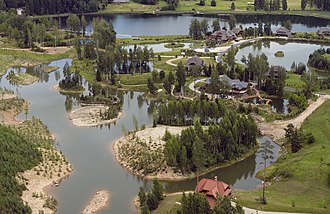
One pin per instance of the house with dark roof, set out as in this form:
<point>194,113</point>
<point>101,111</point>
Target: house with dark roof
<point>222,36</point>
<point>282,31</point>
<point>194,61</point>
<point>238,31</point>
<point>237,86</point>
<point>324,31</point>
<point>211,189</point>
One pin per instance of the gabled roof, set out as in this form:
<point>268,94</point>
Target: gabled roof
<point>282,31</point>
<point>194,60</point>
<point>237,30</point>
<point>224,35</point>
<point>210,188</point>
<point>234,83</point>
<point>323,31</point>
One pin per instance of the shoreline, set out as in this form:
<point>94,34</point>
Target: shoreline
<point>171,175</point>
<point>88,116</point>
<point>99,201</point>
<point>219,13</point>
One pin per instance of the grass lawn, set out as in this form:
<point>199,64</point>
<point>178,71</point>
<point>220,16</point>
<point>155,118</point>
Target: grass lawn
<point>168,205</point>
<point>162,64</point>
<point>327,56</point>
<point>154,39</point>
<point>24,58</point>
<point>305,189</point>
<point>294,81</point>
<point>187,6</point>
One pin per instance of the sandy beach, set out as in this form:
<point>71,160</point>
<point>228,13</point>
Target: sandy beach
<point>37,181</point>
<point>98,201</point>
<point>90,116</point>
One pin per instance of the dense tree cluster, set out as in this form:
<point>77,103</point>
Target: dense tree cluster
<point>256,68</point>
<point>182,112</point>
<point>296,138</point>
<point>197,148</point>
<point>43,7</point>
<point>275,81</point>
<point>196,203</point>
<point>16,155</point>
<point>146,1</point>
<point>318,60</point>
<point>323,5</point>
<point>198,29</point>
<point>150,200</point>
<point>271,5</point>
<point>71,81</point>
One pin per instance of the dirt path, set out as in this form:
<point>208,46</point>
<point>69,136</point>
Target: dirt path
<point>276,129</point>
<point>48,50</point>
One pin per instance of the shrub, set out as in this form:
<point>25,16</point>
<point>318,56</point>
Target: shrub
<point>213,3</point>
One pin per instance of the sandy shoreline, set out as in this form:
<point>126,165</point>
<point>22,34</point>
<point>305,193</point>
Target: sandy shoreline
<point>37,183</point>
<point>99,200</point>
<point>89,116</point>
<point>154,134</point>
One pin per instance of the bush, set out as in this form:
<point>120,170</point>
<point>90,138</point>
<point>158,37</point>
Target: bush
<point>213,3</point>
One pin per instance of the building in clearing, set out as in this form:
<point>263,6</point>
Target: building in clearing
<point>194,61</point>
<point>237,86</point>
<point>324,31</point>
<point>282,31</point>
<point>211,188</point>
<point>222,36</point>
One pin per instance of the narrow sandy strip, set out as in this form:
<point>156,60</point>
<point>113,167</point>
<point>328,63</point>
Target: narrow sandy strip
<point>38,181</point>
<point>276,129</point>
<point>90,116</point>
<point>99,201</point>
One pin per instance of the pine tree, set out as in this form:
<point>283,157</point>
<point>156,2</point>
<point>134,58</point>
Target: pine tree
<point>284,4</point>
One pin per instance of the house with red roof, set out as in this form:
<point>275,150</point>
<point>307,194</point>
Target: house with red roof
<point>211,188</point>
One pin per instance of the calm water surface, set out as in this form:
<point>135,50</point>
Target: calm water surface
<point>142,25</point>
<point>293,52</point>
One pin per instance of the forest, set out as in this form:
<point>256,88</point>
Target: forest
<point>197,148</point>
<point>16,155</point>
<point>44,7</point>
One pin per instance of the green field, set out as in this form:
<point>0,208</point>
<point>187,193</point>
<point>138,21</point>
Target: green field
<point>24,58</point>
<point>188,6</point>
<point>305,187</point>
<point>294,81</point>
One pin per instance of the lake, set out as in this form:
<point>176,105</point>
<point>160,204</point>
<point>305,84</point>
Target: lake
<point>150,25</point>
<point>89,149</point>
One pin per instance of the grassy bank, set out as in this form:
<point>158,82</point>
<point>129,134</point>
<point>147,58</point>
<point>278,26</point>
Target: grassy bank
<point>304,187</point>
<point>25,58</point>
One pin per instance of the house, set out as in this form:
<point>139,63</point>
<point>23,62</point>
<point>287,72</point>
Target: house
<point>324,31</point>
<point>237,86</point>
<point>275,71</point>
<point>194,61</point>
<point>222,36</point>
<point>211,188</point>
<point>238,31</point>
<point>282,31</point>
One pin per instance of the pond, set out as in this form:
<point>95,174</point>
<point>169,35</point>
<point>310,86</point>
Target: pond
<point>278,105</point>
<point>141,25</point>
<point>89,149</point>
<point>293,52</point>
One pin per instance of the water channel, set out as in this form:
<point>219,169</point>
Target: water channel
<point>89,149</point>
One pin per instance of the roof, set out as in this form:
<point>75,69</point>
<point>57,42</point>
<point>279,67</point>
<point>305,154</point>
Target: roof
<point>224,35</point>
<point>323,31</point>
<point>282,31</point>
<point>210,188</point>
<point>237,30</point>
<point>195,61</point>
<point>234,83</point>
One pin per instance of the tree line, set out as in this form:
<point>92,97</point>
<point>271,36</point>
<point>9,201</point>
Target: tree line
<point>44,7</point>
<point>150,200</point>
<point>182,112</point>
<point>197,148</point>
